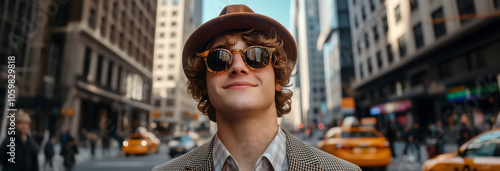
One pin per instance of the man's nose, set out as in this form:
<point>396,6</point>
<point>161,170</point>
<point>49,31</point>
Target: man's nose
<point>238,66</point>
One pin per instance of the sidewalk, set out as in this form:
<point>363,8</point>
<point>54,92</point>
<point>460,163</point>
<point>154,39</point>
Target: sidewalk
<point>83,156</point>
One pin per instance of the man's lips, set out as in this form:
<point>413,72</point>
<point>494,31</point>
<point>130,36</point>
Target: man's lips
<point>239,85</point>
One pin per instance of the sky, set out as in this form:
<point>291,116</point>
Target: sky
<point>276,9</point>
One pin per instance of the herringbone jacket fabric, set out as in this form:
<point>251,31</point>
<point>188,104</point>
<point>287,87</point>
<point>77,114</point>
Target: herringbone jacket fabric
<point>300,156</point>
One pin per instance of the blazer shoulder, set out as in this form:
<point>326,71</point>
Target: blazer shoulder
<point>326,161</point>
<point>183,161</point>
<point>331,162</point>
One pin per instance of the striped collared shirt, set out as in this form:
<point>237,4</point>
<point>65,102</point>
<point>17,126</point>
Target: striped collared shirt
<point>274,158</point>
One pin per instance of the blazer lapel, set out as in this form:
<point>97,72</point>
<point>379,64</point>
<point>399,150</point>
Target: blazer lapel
<point>203,160</point>
<point>300,157</point>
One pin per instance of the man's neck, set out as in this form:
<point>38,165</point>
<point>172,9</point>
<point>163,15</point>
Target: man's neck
<point>247,138</point>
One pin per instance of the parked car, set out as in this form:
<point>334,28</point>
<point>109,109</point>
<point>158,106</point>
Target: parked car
<point>479,153</point>
<point>141,143</point>
<point>181,145</point>
<point>363,146</point>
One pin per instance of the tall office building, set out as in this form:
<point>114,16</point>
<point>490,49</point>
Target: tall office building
<point>311,80</point>
<point>15,17</point>
<point>335,41</point>
<point>90,66</point>
<point>174,109</point>
<point>426,61</point>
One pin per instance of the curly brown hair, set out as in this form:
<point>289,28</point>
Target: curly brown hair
<point>283,67</point>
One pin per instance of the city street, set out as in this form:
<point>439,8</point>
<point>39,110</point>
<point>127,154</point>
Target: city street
<point>142,162</point>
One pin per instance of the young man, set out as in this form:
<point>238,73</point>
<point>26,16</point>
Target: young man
<point>19,150</point>
<point>237,65</point>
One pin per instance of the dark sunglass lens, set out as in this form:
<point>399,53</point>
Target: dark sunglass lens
<point>219,60</point>
<point>257,58</point>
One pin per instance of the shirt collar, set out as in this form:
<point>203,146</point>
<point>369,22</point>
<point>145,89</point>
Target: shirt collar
<point>275,153</point>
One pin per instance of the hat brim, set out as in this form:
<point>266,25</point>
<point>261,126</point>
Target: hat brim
<point>199,39</point>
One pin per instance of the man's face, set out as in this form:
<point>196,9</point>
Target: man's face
<point>22,127</point>
<point>240,88</point>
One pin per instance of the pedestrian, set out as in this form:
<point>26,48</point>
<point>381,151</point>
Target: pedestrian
<point>49,152</point>
<point>19,151</point>
<point>64,137</point>
<point>105,144</point>
<point>391,135</point>
<point>93,142</point>
<point>415,138</point>
<point>69,154</point>
<point>237,66</point>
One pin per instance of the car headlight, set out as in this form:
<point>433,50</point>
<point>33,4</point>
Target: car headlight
<point>125,143</point>
<point>144,143</point>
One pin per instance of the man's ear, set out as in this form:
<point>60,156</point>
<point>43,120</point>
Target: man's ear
<point>278,87</point>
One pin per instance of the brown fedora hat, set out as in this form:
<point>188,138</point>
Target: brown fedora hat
<point>237,17</point>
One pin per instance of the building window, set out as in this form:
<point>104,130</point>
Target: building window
<point>375,32</point>
<point>379,59</point>
<point>171,66</point>
<point>172,56</point>
<point>99,69</point>
<point>174,13</point>
<point>402,46</point>
<point>372,5</point>
<point>176,2</point>
<point>413,4</point>
<point>445,69</point>
<point>160,66</point>
<point>163,13</point>
<point>370,69</point>
<point>162,24</point>
<point>112,33</point>
<point>120,41</point>
<point>174,23</point>
<point>123,19</point>
<point>164,2</point>
<point>113,11</point>
<point>119,78</point>
<point>131,27</point>
<point>367,40</point>
<point>86,63</point>
<point>359,46</point>
<point>361,71</point>
<point>439,26</point>
<point>170,77</point>
<point>386,24</point>
<point>355,22</point>
<point>160,56</point>
<point>466,8</point>
<point>170,102</point>
<point>390,55</point>
<point>110,73</point>
<point>158,79</point>
<point>363,13</point>
<point>172,34</point>
<point>157,103</point>
<point>91,19</point>
<point>397,12</point>
<point>170,90</point>
<point>162,35</point>
<point>476,59</point>
<point>419,35</point>
<point>172,45</point>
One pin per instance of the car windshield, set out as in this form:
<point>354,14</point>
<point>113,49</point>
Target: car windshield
<point>138,138</point>
<point>363,134</point>
<point>485,145</point>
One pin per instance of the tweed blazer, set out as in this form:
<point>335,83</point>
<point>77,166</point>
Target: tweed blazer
<point>300,156</point>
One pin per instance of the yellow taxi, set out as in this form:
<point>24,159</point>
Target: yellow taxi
<point>363,146</point>
<point>141,143</point>
<point>479,153</point>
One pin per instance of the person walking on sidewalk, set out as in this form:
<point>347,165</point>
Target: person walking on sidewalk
<point>49,152</point>
<point>237,66</point>
<point>69,154</point>
<point>415,138</point>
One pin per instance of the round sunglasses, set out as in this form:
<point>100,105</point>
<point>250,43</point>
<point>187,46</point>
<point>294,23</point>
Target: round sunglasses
<point>255,57</point>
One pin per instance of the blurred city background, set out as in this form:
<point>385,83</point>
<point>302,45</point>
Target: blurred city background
<point>102,70</point>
